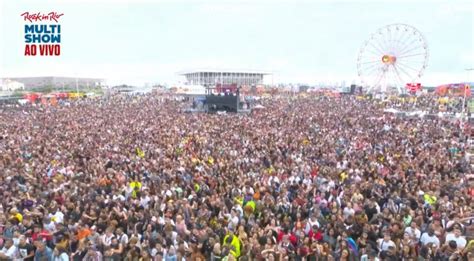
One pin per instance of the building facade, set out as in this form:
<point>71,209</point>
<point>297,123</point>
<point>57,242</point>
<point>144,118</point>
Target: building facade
<point>213,77</point>
<point>56,82</point>
<point>9,85</point>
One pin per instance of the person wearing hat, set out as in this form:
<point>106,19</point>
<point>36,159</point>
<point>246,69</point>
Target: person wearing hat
<point>40,233</point>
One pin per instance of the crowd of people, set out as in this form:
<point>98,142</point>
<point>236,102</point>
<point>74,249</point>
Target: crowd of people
<point>429,103</point>
<point>304,178</point>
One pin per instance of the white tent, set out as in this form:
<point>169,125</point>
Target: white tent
<point>191,90</point>
<point>23,101</point>
<point>9,85</point>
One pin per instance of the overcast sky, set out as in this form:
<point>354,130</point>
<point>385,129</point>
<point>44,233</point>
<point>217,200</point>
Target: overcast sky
<point>301,41</point>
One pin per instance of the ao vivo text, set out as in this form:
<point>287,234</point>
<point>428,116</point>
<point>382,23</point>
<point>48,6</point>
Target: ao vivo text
<point>43,49</point>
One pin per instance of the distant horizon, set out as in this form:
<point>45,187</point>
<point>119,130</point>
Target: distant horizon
<point>151,84</point>
<point>267,80</point>
<point>307,42</point>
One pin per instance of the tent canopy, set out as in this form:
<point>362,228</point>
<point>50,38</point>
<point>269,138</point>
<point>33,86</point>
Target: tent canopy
<point>454,89</point>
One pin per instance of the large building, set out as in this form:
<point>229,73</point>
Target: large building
<point>56,82</point>
<point>212,77</point>
<point>9,85</point>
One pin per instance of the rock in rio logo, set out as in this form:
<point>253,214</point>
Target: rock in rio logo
<point>42,34</point>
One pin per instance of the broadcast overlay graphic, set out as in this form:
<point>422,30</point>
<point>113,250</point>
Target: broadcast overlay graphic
<point>42,33</point>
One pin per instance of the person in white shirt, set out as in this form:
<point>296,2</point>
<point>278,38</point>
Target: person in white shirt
<point>457,237</point>
<point>429,237</point>
<point>158,250</point>
<point>122,237</point>
<point>348,210</point>
<point>9,251</point>
<point>49,225</point>
<point>312,221</point>
<point>239,210</point>
<point>107,238</point>
<point>385,243</point>
<point>413,231</point>
<point>247,190</point>
<point>58,217</point>
<point>145,200</point>
<point>234,221</point>
<point>119,197</point>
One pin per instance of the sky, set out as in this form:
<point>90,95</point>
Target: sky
<point>144,41</point>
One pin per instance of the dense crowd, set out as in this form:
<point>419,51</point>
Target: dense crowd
<point>315,178</point>
<point>429,103</point>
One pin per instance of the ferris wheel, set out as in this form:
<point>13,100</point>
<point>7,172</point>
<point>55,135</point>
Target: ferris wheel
<point>392,57</point>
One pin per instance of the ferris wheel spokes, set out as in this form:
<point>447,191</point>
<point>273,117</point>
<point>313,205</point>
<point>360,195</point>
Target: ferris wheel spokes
<point>411,55</point>
<point>406,73</point>
<point>400,80</point>
<point>392,57</point>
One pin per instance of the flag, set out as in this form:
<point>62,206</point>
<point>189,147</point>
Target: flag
<point>210,160</point>
<point>343,176</point>
<point>431,200</point>
<point>140,153</point>
<point>352,246</point>
<point>270,170</point>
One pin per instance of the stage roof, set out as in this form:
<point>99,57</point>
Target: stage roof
<point>223,71</point>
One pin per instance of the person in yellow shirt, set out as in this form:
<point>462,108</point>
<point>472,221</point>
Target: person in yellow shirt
<point>233,242</point>
<point>429,199</point>
<point>136,186</point>
<point>16,215</point>
<point>249,208</point>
